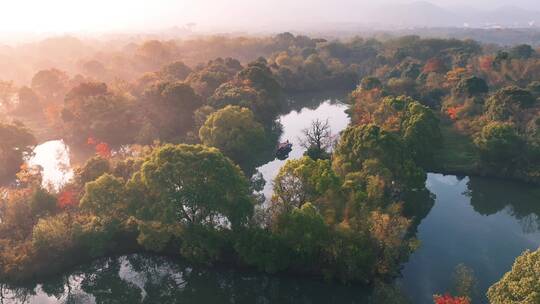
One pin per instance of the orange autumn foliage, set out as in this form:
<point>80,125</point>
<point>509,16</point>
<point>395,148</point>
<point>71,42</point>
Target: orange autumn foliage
<point>103,150</point>
<point>453,112</point>
<point>455,75</point>
<point>434,65</point>
<point>366,101</point>
<point>67,199</point>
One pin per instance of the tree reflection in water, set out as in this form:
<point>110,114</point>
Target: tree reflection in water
<point>521,201</point>
<point>152,279</point>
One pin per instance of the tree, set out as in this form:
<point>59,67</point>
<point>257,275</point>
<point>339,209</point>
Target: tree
<point>522,51</point>
<point>95,69</point>
<point>421,133</point>
<point>507,102</point>
<point>236,133</point>
<point>260,77</point>
<point>388,229</point>
<point>534,88</point>
<point>303,231</point>
<point>193,185</point>
<point>317,139</point>
<point>68,199</point>
<point>169,107</point>
<point>52,235</point>
<point>254,87</point>
<point>153,54</point>
<point>244,95</point>
<point>370,83</point>
<point>500,147</point>
<point>92,169</point>
<point>434,65</point>
<point>92,111</point>
<point>105,197</point>
<point>519,285</point>
<point>448,299</point>
<point>359,144</point>
<point>7,92</point>
<point>16,141</point>
<point>402,86</point>
<point>17,216</point>
<point>207,79</point>
<point>305,180</point>
<point>472,86</point>
<point>28,101</point>
<point>50,84</point>
<point>42,203</point>
<point>176,71</point>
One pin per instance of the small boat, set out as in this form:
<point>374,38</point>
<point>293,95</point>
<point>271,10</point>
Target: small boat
<point>283,150</point>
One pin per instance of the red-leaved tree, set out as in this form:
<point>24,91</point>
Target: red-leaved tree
<point>67,199</point>
<point>103,150</point>
<point>448,299</point>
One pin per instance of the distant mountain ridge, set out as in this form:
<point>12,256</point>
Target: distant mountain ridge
<point>427,14</point>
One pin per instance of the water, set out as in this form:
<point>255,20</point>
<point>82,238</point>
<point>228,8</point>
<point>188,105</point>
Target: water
<point>54,158</point>
<point>151,279</point>
<point>293,124</point>
<point>482,223</point>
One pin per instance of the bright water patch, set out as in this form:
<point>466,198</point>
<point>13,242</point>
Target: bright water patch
<point>53,157</point>
<point>293,124</point>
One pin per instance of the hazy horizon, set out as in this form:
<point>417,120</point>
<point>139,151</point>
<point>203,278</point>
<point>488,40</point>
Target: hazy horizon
<point>65,16</point>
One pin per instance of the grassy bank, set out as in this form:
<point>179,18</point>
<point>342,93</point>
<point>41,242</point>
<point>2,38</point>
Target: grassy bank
<point>458,154</point>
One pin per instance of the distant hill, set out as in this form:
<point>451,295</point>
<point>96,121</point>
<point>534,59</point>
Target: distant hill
<point>413,14</point>
<point>426,14</point>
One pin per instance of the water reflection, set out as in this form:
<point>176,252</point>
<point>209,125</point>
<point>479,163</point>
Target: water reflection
<point>294,122</point>
<point>482,223</point>
<point>518,200</point>
<point>151,279</point>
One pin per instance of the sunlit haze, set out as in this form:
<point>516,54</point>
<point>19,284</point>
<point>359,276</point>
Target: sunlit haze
<point>33,16</point>
<point>269,151</point>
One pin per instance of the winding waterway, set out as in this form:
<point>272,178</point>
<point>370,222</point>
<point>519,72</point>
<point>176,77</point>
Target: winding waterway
<point>481,223</point>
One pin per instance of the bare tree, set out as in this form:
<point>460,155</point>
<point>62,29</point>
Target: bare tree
<point>317,139</point>
<point>317,135</point>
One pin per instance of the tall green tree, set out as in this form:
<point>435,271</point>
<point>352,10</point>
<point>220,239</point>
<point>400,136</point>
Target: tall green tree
<point>360,146</point>
<point>501,148</point>
<point>507,103</point>
<point>193,185</point>
<point>306,181</point>
<point>236,133</point>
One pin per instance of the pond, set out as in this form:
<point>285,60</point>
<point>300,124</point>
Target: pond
<point>481,223</point>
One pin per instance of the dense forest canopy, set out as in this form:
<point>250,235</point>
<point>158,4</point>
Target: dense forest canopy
<point>179,127</point>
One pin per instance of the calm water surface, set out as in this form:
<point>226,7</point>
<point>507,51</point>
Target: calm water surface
<point>482,223</point>
<point>478,222</point>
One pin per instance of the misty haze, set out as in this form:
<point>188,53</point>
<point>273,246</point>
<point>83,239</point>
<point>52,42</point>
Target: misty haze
<point>209,151</point>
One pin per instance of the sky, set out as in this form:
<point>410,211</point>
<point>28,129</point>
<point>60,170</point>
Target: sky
<point>39,16</point>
